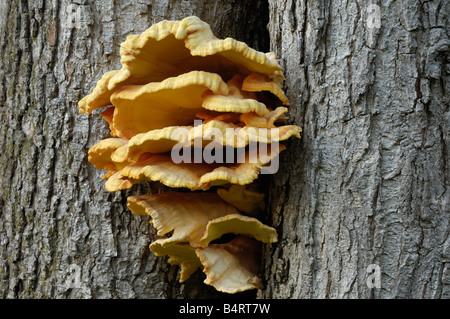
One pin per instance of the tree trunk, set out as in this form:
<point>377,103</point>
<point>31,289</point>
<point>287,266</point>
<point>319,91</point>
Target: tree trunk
<point>61,233</point>
<point>365,193</point>
<point>367,186</point>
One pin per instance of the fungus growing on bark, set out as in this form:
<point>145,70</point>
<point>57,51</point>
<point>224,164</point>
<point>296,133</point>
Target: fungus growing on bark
<point>108,115</point>
<point>174,101</point>
<point>171,48</point>
<point>194,176</point>
<point>256,82</point>
<point>174,75</point>
<point>195,221</point>
<point>223,134</point>
<point>97,98</point>
<point>101,155</point>
<point>244,200</point>
<point>268,121</point>
<point>232,267</point>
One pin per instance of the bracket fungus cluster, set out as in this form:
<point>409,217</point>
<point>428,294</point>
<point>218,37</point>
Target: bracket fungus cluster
<point>195,112</point>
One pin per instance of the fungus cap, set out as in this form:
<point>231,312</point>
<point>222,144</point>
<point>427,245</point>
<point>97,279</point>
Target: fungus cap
<point>100,155</point>
<point>244,200</point>
<point>171,48</point>
<point>239,224</point>
<point>181,254</point>
<point>218,132</point>
<point>257,82</point>
<point>195,176</point>
<point>108,115</point>
<point>174,101</point>
<point>197,218</point>
<point>232,267</point>
<point>186,214</point>
<point>267,121</point>
<point>99,97</point>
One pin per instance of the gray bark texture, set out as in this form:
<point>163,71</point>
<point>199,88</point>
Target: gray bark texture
<point>368,183</point>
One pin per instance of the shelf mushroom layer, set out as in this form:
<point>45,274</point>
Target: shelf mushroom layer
<point>171,48</point>
<point>196,221</point>
<point>173,75</point>
<point>177,101</point>
<point>194,176</point>
<point>212,134</point>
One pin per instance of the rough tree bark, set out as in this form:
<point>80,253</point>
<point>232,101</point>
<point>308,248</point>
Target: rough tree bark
<point>367,184</point>
<point>55,215</point>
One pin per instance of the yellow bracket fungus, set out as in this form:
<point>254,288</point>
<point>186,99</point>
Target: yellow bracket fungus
<point>197,220</point>
<point>256,82</point>
<point>173,76</point>
<point>243,199</point>
<point>222,133</point>
<point>174,101</point>
<point>186,214</point>
<point>101,155</point>
<point>194,176</point>
<point>171,48</point>
<point>232,267</point>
